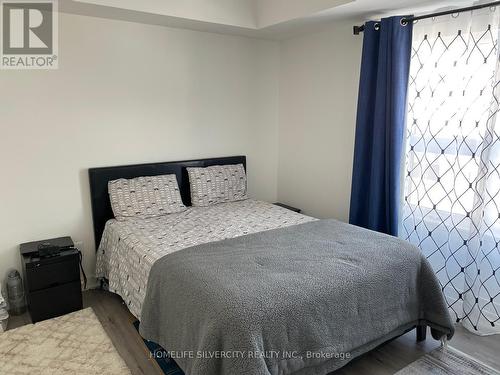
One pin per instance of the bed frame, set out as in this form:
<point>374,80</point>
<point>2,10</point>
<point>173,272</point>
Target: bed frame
<point>99,178</point>
<point>101,205</point>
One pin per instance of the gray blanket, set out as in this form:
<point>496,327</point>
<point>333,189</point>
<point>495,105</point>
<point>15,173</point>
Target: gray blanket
<point>304,300</point>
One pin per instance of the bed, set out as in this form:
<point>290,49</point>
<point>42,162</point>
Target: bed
<point>248,287</point>
<point>129,249</point>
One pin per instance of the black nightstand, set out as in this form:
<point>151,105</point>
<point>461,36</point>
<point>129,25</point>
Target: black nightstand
<point>298,210</point>
<point>52,284</point>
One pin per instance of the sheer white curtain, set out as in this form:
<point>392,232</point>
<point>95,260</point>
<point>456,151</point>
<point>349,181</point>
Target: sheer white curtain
<point>452,180</point>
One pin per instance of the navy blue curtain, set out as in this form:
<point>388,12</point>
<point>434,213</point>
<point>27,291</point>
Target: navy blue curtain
<point>380,124</point>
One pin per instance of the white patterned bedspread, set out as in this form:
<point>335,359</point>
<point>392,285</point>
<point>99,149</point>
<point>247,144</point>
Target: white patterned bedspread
<point>129,248</point>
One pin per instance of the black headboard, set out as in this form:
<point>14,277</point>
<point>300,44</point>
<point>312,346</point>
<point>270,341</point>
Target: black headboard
<point>99,178</point>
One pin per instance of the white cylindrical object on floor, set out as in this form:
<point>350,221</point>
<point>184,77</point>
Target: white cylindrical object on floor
<point>15,293</point>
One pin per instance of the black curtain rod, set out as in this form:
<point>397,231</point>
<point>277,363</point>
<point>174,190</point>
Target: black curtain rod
<point>359,29</point>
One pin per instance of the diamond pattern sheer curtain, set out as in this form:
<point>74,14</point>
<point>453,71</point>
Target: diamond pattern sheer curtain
<point>451,203</point>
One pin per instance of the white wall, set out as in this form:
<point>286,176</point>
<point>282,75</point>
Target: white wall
<point>318,96</point>
<point>127,93</point>
<point>241,13</point>
<point>271,12</point>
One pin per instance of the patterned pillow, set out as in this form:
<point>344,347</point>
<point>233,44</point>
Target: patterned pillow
<point>145,197</point>
<point>217,184</point>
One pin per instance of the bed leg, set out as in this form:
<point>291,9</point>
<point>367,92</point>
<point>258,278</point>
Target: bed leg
<point>421,333</point>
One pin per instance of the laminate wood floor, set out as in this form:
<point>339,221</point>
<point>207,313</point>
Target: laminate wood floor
<point>387,359</point>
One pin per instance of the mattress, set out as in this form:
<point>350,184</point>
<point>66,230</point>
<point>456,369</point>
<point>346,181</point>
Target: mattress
<point>130,247</point>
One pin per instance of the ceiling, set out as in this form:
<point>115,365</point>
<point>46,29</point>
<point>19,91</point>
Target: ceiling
<point>273,19</point>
